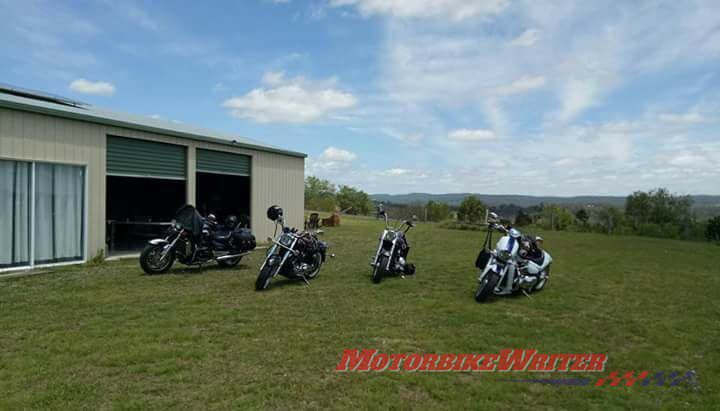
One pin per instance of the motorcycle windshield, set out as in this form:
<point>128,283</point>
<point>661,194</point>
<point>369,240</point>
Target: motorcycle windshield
<point>189,219</point>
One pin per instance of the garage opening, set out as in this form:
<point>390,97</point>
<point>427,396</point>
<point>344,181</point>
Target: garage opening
<point>223,185</point>
<point>140,209</point>
<point>223,195</point>
<point>145,186</point>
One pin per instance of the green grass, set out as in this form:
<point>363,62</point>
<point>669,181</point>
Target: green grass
<point>106,336</point>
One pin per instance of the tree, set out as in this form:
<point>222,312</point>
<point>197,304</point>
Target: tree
<point>712,232</point>
<point>353,200</point>
<point>319,194</point>
<point>556,218</point>
<point>437,211</point>
<point>471,210</point>
<point>522,219</point>
<point>657,207</point>
<point>610,218</point>
<point>582,216</point>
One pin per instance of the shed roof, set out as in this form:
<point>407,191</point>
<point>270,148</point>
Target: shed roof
<point>21,100</point>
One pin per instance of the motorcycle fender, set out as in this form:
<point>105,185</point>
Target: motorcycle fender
<point>274,261</point>
<point>158,241</point>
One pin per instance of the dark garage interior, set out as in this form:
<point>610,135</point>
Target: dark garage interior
<point>139,209</point>
<point>222,195</point>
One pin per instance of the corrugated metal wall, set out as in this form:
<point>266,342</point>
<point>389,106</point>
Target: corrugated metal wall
<point>275,178</point>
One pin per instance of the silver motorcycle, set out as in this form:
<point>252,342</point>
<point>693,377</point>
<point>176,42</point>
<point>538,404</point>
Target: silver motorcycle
<point>517,263</point>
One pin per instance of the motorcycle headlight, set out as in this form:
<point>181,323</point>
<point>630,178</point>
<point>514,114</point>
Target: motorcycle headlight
<point>504,255</point>
<point>286,240</point>
<point>390,236</point>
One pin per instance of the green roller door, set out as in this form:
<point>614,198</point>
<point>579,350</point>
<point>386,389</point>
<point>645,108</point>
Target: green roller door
<point>142,158</point>
<point>220,162</point>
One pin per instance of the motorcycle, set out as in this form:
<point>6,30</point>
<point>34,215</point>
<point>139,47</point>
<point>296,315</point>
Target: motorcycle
<point>293,254</point>
<point>194,240</point>
<point>518,262</point>
<point>391,254</point>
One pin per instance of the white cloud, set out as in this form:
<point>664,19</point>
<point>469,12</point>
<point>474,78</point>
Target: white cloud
<point>685,118</point>
<point>295,100</point>
<point>397,172</point>
<point>409,138</point>
<point>453,9</point>
<point>528,38</point>
<point>337,154</point>
<point>522,85</point>
<point>465,135</point>
<point>100,88</point>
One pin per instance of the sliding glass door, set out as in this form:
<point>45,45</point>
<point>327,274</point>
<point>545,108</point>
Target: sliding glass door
<point>59,210</point>
<point>14,213</point>
<point>42,212</point>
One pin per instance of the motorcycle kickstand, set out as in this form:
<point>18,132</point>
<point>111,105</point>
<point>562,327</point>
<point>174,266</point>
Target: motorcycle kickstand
<point>306,281</point>
<point>526,293</point>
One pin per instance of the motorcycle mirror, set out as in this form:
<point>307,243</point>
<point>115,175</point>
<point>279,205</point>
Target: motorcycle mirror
<point>493,216</point>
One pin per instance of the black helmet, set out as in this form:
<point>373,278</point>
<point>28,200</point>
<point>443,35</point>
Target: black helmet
<point>274,212</point>
<point>231,221</point>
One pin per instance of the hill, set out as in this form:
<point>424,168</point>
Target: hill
<point>454,199</point>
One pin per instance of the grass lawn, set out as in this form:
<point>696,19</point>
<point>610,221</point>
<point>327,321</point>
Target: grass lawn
<point>107,336</point>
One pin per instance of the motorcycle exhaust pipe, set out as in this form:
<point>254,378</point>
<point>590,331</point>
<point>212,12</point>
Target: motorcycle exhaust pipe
<point>228,257</point>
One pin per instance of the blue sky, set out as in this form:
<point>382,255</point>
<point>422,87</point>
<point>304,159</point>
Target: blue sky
<point>397,96</point>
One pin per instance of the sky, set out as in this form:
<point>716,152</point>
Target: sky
<point>398,96</point>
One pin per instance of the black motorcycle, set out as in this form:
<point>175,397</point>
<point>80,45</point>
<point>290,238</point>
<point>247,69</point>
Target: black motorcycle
<point>194,240</point>
<point>392,252</point>
<point>293,254</point>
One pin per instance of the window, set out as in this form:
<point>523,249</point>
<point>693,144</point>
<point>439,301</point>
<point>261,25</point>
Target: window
<point>43,207</point>
<point>14,213</point>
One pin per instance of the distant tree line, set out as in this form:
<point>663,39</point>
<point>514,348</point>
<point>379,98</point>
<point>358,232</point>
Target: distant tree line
<point>655,213</point>
<point>322,195</point>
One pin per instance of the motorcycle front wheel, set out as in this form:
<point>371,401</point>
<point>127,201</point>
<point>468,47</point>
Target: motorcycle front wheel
<point>151,261</point>
<point>379,269</point>
<point>263,280</point>
<point>486,287</point>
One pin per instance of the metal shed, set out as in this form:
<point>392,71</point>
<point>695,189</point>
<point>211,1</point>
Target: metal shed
<point>66,168</point>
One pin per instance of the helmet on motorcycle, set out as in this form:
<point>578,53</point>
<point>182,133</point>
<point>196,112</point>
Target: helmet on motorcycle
<point>274,212</point>
<point>231,221</point>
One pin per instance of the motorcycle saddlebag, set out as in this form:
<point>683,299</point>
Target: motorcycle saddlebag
<point>482,258</point>
<point>243,238</point>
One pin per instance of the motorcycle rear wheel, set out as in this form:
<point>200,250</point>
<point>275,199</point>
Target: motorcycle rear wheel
<point>379,269</point>
<point>486,287</point>
<point>318,263</point>
<point>541,284</point>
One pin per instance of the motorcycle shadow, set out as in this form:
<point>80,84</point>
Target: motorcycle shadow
<point>497,298</point>
<point>197,270</point>
<point>279,282</point>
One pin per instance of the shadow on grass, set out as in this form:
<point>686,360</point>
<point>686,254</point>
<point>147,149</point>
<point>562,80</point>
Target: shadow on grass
<point>197,270</point>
